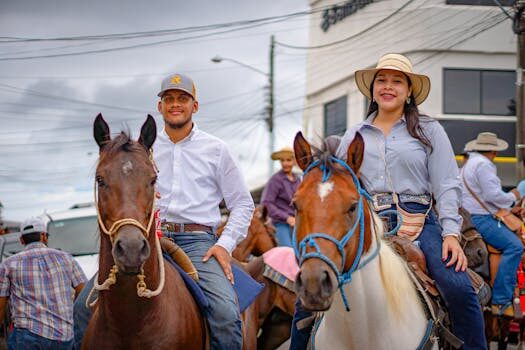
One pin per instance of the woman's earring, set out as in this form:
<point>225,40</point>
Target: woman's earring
<point>408,100</point>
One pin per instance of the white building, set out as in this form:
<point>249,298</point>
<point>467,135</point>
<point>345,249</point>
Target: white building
<point>467,50</point>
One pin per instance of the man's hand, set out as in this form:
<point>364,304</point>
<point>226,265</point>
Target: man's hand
<point>291,221</point>
<point>451,245</point>
<point>223,258</point>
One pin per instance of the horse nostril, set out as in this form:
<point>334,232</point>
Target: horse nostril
<point>144,251</point>
<point>298,281</point>
<point>480,253</point>
<point>119,250</point>
<point>326,283</point>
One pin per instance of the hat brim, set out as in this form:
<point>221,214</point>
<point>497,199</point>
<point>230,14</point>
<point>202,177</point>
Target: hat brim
<point>175,88</point>
<point>473,146</point>
<point>420,83</point>
<point>280,154</point>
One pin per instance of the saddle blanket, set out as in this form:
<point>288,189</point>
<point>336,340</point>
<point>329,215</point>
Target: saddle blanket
<point>282,259</point>
<point>246,288</point>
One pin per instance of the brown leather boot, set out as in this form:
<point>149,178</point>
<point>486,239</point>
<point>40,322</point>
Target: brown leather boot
<point>178,255</point>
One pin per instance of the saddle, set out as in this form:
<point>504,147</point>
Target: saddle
<point>426,287</point>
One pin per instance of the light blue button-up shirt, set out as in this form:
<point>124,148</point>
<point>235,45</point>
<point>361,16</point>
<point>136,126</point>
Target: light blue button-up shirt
<point>481,176</point>
<point>412,167</point>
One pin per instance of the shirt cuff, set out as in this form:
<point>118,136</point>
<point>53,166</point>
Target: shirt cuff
<point>450,227</point>
<point>227,243</point>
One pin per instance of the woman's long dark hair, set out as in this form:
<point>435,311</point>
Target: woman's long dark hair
<point>411,115</point>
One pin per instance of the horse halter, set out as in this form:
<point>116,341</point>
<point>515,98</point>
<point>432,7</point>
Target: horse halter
<point>142,290</point>
<point>301,254</point>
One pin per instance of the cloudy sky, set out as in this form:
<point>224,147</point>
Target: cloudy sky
<point>62,62</point>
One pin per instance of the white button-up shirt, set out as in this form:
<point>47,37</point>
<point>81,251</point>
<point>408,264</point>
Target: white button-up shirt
<point>195,174</point>
<point>481,176</point>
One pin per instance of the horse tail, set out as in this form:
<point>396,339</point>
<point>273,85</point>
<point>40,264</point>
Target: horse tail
<point>399,288</point>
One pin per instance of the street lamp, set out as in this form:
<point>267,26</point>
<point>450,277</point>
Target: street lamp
<point>269,108</point>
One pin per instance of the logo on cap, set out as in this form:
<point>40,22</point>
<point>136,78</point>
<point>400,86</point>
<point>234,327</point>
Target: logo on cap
<point>176,80</point>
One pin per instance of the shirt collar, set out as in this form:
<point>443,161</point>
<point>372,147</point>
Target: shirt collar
<point>194,131</point>
<point>370,119</point>
<point>34,245</point>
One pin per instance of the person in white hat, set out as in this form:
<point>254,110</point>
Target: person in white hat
<point>40,284</point>
<point>278,194</point>
<point>196,172</point>
<point>482,197</point>
<point>408,159</point>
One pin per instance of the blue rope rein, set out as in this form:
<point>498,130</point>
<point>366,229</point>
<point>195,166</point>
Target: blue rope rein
<point>343,277</point>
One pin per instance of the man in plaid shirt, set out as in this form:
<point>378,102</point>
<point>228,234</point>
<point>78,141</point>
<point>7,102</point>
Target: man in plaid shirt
<point>39,283</point>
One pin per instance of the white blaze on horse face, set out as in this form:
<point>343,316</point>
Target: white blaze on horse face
<point>127,167</point>
<point>324,189</point>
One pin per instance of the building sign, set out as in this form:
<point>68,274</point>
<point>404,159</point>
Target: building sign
<point>339,12</point>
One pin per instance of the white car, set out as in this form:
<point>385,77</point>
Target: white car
<point>74,230</point>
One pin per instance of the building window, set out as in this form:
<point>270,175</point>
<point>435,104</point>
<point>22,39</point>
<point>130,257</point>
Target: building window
<point>481,92</point>
<point>335,117</point>
<point>480,2</point>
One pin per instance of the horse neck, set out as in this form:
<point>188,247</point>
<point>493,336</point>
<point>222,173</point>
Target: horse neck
<point>382,301</point>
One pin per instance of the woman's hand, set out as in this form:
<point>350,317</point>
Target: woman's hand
<point>451,245</point>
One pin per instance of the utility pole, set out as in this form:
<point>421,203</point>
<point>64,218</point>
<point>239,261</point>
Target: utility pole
<point>269,119</point>
<point>519,29</point>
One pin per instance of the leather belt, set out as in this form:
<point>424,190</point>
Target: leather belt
<point>189,227</point>
<point>385,200</point>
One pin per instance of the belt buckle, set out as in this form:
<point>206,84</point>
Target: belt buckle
<point>381,202</point>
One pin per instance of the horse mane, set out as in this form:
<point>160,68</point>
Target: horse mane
<point>396,281</point>
<point>122,142</point>
<point>324,153</point>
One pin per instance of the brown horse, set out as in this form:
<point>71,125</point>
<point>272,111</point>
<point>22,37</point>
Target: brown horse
<point>123,319</point>
<point>339,247</point>
<point>276,306</point>
<point>260,237</point>
<point>127,314</point>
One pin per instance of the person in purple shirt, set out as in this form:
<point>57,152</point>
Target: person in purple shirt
<point>278,194</point>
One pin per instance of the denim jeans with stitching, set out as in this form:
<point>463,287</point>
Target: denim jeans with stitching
<point>283,233</point>
<point>224,318</point>
<point>503,239</point>
<point>23,339</point>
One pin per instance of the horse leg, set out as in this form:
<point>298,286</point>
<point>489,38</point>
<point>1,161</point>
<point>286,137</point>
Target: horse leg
<point>275,330</point>
<point>250,327</point>
<point>503,330</point>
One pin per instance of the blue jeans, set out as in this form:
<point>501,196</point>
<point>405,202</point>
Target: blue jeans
<point>455,287</point>
<point>283,234</point>
<point>224,318</point>
<point>23,339</point>
<point>503,239</point>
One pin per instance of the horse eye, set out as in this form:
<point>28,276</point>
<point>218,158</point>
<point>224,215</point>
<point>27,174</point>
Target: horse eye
<point>154,181</point>
<point>100,181</point>
<point>352,207</point>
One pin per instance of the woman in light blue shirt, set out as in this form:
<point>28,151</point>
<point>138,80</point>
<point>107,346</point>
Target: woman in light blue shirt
<point>410,154</point>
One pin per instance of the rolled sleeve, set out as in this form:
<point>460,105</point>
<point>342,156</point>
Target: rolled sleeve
<point>238,200</point>
<point>490,185</point>
<point>444,181</point>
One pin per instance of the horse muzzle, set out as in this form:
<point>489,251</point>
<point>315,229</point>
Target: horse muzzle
<point>130,250</point>
<point>316,284</point>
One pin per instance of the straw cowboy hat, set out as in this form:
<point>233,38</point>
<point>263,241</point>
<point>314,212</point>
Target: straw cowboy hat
<point>486,141</point>
<point>420,83</point>
<point>285,151</point>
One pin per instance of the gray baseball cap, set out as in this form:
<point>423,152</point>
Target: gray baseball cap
<point>178,82</point>
<point>33,225</point>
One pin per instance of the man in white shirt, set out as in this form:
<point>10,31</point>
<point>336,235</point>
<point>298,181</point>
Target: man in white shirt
<point>196,172</point>
<point>482,197</point>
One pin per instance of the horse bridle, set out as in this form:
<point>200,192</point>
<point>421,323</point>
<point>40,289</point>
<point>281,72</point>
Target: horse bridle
<point>142,290</point>
<point>300,252</point>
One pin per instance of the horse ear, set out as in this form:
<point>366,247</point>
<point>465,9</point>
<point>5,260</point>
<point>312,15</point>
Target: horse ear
<point>264,212</point>
<point>303,151</point>
<point>355,153</point>
<point>148,132</point>
<point>101,131</point>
